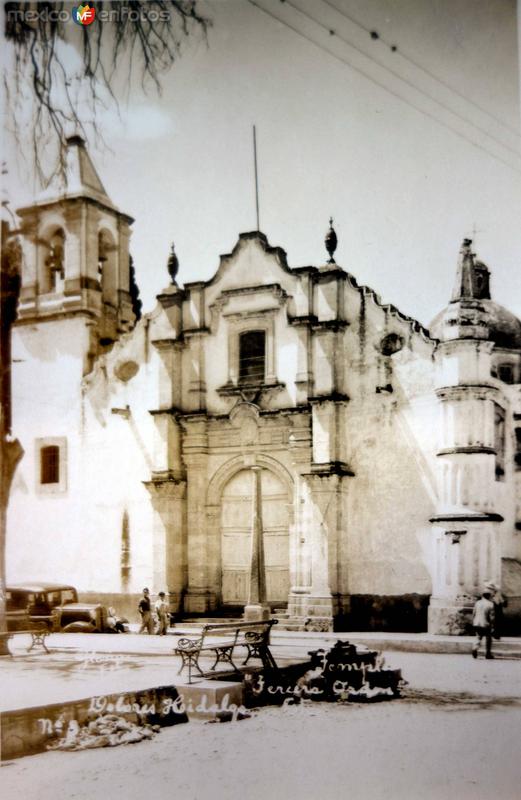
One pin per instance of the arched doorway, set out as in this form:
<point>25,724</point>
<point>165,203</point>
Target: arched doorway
<point>236,525</point>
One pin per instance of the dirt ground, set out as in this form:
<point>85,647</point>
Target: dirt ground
<point>454,735</point>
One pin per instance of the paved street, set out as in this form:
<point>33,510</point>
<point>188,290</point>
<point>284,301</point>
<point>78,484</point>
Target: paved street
<point>455,735</point>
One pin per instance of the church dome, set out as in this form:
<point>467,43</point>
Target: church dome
<point>471,313</point>
<point>504,328</point>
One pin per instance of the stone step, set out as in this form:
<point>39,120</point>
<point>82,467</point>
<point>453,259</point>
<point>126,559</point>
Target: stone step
<point>213,621</point>
<point>290,633</point>
<point>199,622</point>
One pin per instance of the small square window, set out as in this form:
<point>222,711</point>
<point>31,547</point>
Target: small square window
<point>506,373</point>
<point>50,464</point>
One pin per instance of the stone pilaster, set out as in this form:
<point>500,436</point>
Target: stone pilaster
<point>170,373</point>
<point>197,370</point>
<point>300,554</point>
<point>304,376</point>
<point>325,507</point>
<point>169,546</point>
<point>300,446</point>
<point>467,554</point>
<point>200,597</point>
<point>213,544</point>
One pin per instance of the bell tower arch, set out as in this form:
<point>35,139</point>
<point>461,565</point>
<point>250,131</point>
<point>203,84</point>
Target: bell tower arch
<point>76,255</point>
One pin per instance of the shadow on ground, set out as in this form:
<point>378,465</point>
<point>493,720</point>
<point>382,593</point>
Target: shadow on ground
<point>458,701</point>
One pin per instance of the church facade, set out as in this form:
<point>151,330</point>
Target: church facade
<point>379,463</point>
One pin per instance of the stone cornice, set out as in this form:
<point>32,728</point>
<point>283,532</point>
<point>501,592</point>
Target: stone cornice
<point>168,488</point>
<point>62,202</point>
<point>330,273</point>
<point>469,517</point>
<point>464,389</point>
<point>333,397</point>
<point>273,288</point>
<point>469,449</point>
<point>164,344</point>
<point>330,325</point>
<point>449,345</point>
<point>172,411</point>
<point>168,299</point>
<point>31,315</point>
<point>188,332</point>
<point>302,409</point>
<point>329,468</point>
<point>250,392</point>
<point>303,319</point>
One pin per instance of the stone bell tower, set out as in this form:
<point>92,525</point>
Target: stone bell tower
<point>471,442</point>
<point>74,303</point>
<point>75,262</point>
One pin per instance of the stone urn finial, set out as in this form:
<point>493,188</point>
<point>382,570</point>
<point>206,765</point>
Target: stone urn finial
<point>173,264</point>
<point>331,242</point>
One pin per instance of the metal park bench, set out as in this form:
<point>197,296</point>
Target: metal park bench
<point>222,639</point>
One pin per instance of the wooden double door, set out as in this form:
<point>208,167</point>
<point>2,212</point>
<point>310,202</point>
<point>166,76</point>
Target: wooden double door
<point>236,527</point>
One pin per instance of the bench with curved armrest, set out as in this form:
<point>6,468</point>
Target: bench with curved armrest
<point>222,639</point>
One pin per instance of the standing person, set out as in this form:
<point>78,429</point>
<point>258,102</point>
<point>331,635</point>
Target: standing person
<point>483,621</point>
<point>144,609</point>
<point>161,608</point>
<point>499,604</point>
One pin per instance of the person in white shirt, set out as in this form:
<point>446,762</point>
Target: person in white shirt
<point>483,621</point>
<point>162,613</point>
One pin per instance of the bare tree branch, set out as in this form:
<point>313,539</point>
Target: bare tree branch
<point>147,34</point>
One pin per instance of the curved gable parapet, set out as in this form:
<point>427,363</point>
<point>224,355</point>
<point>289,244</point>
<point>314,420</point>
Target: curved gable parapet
<point>258,237</point>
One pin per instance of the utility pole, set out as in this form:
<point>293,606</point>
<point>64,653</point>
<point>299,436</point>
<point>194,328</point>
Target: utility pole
<point>256,176</point>
<point>257,607</point>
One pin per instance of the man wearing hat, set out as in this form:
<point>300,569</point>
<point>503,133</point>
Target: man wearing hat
<point>499,604</point>
<point>483,621</point>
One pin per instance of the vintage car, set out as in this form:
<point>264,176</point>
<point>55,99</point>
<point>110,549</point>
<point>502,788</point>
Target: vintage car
<point>82,618</point>
<point>36,601</point>
<point>57,606</point>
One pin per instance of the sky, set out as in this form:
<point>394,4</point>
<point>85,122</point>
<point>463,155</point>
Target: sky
<point>408,150</point>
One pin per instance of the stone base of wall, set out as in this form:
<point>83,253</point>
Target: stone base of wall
<point>126,605</point>
<point>310,612</point>
<point>406,613</point>
<point>512,617</point>
<point>449,620</point>
<point>199,601</point>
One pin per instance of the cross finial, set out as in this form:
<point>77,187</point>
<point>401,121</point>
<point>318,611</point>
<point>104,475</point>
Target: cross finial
<point>475,232</point>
